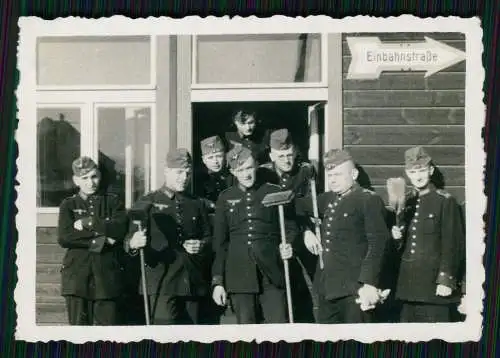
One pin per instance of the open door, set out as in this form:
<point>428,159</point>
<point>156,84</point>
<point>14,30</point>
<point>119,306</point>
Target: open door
<point>316,124</point>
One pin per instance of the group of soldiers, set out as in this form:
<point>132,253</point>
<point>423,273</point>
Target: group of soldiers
<point>220,249</point>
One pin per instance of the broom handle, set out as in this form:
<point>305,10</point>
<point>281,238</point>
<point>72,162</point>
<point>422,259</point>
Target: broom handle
<point>316,216</point>
<point>144,283</point>
<point>285,263</point>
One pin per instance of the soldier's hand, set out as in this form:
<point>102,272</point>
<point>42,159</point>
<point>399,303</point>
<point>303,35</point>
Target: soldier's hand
<point>368,294</point>
<point>286,251</point>
<point>192,246</point>
<point>397,232</point>
<point>443,291</point>
<point>219,295</point>
<point>312,243</point>
<point>78,225</point>
<point>138,240</point>
<point>462,307</point>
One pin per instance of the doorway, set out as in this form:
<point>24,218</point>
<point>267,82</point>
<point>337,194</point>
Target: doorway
<point>214,118</point>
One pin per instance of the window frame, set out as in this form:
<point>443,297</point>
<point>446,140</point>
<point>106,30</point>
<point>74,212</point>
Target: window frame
<point>89,102</point>
<point>152,71</point>
<point>267,85</point>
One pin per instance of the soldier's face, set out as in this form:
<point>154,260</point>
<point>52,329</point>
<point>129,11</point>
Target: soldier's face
<point>177,179</point>
<point>88,183</point>
<point>420,177</point>
<point>214,161</point>
<point>283,159</point>
<point>342,177</point>
<point>246,127</point>
<point>245,173</point>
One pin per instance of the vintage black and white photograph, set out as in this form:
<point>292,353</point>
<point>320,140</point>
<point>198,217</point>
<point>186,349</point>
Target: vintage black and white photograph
<point>250,179</point>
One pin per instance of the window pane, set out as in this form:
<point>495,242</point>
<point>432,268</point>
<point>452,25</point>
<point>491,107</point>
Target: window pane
<point>124,150</point>
<point>266,58</point>
<point>113,60</point>
<point>58,144</point>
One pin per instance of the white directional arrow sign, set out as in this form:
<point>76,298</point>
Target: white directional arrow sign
<point>370,57</point>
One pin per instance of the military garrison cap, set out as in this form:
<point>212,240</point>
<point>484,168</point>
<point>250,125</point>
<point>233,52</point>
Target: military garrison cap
<point>335,157</point>
<point>237,156</point>
<point>212,145</point>
<point>280,139</point>
<point>178,158</point>
<point>82,166</point>
<point>416,157</point>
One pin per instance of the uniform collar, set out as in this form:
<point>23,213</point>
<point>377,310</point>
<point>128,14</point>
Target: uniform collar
<point>430,188</point>
<point>168,192</point>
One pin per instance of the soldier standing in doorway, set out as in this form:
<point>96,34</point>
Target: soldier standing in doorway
<point>248,264</point>
<point>432,245</point>
<point>249,134</point>
<point>176,246</point>
<point>354,237</point>
<point>209,185</point>
<point>92,225</point>
<point>288,173</point>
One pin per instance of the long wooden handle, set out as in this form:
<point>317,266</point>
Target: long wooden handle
<point>316,217</point>
<point>285,263</point>
<point>144,283</point>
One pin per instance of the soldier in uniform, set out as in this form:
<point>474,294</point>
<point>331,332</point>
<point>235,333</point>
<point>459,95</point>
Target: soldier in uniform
<point>432,245</point>
<point>248,259</point>
<point>354,237</point>
<point>288,173</point>
<point>249,135</point>
<point>176,246</point>
<point>92,225</point>
<point>217,176</point>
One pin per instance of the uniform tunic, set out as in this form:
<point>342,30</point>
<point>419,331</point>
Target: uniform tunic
<point>432,250</point>
<point>354,237</point>
<point>247,238</point>
<point>91,268</point>
<point>258,143</point>
<point>173,219</point>
<point>210,185</point>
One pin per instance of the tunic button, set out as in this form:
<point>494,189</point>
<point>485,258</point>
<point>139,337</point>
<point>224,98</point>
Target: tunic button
<point>414,236</point>
<point>330,219</point>
<point>93,241</point>
<point>249,214</point>
<point>249,235</point>
<point>431,215</point>
<point>335,204</point>
<point>249,207</point>
<point>328,232</point>
<point>250,228</point>
<point>415,220</point>
<point>412,251</point>
<point>413,244</point>
<point>333,211</point>
<point>248,199</point>
<point>416,214</point>
<point>249,243</point>
<point>417,206</point>
<point>414,228</point>
<point>249,221</point>
<point>327,250</point>
<point>441,273</point>
<point>327,241</point>
<point>328,225</point>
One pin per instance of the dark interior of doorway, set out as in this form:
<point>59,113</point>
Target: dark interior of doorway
<point>214,118</point>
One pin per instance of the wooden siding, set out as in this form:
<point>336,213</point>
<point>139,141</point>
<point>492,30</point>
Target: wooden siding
<point>384,117</point>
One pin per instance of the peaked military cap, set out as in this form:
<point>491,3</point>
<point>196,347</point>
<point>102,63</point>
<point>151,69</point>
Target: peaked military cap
<point>416,157</point>
<point>280,139</point>
<point>82,166</point>
<point>237,156</point>
<point>178,158</point>
<point>212,145</point>
<point>335,157</point>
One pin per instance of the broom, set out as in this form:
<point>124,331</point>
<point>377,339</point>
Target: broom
<point>396,190</point>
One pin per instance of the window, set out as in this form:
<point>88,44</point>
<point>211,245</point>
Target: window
<point>58,144</point>
<point>124,137</point>
<point>264,59</point>
<point>97,61</point>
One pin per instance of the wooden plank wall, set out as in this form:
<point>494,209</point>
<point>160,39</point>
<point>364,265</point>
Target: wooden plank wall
<point>385,116</point>
<point>50,307</point>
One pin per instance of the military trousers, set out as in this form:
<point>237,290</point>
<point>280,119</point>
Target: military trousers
<point>170,310</point>
<point>341,310</point>
<point>269,304</point>
<point>425,313</point>
<point>84,312</point>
